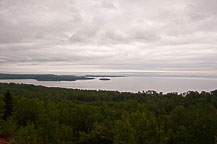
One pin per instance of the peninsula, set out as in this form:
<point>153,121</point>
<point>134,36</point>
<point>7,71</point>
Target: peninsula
<point>45,77</point>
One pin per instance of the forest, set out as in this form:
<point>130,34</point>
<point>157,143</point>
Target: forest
<point>40,115</point>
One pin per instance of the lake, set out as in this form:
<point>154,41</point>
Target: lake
<point>132,84</point>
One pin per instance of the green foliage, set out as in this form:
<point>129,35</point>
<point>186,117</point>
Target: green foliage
<point>1,112</point>
<point>1,106</point>
<point>8,105</point>
<point>65,116</point>
<point>9,127</point>
<point>179,117</point>
<point>124,132</point>
<point>204,126</point>
<point>26,110</point>
<point>27,135</point>
<point>145,127</point>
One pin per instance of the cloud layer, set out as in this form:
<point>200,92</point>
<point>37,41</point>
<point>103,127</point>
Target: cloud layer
<point>108,35</point>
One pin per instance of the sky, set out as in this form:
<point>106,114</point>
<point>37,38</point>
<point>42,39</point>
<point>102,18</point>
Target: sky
<point>56,36</point>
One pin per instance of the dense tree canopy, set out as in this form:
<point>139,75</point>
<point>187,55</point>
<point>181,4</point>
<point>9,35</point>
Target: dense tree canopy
<point>42,115</point>
<point>8,105</point>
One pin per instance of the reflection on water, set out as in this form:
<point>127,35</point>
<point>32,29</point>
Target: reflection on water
<point>132,84</point>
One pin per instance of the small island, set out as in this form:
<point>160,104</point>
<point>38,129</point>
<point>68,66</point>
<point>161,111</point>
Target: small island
<point>104,79</point>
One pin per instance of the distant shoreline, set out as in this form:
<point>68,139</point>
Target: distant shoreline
<point>52,77</point>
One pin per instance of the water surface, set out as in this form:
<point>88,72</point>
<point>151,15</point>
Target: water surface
<point>131,84</point>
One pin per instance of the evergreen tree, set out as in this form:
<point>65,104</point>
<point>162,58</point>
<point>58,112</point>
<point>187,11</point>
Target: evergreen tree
<point>8,105</point>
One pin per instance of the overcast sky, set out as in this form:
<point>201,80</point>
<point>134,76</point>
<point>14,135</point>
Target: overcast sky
<point>54,36</point>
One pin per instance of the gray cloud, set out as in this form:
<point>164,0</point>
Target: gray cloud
<point>108,35</point>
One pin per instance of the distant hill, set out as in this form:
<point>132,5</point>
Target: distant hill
<point>45,77</point>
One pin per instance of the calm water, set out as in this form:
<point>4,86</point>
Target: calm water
<point>132,84</point>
